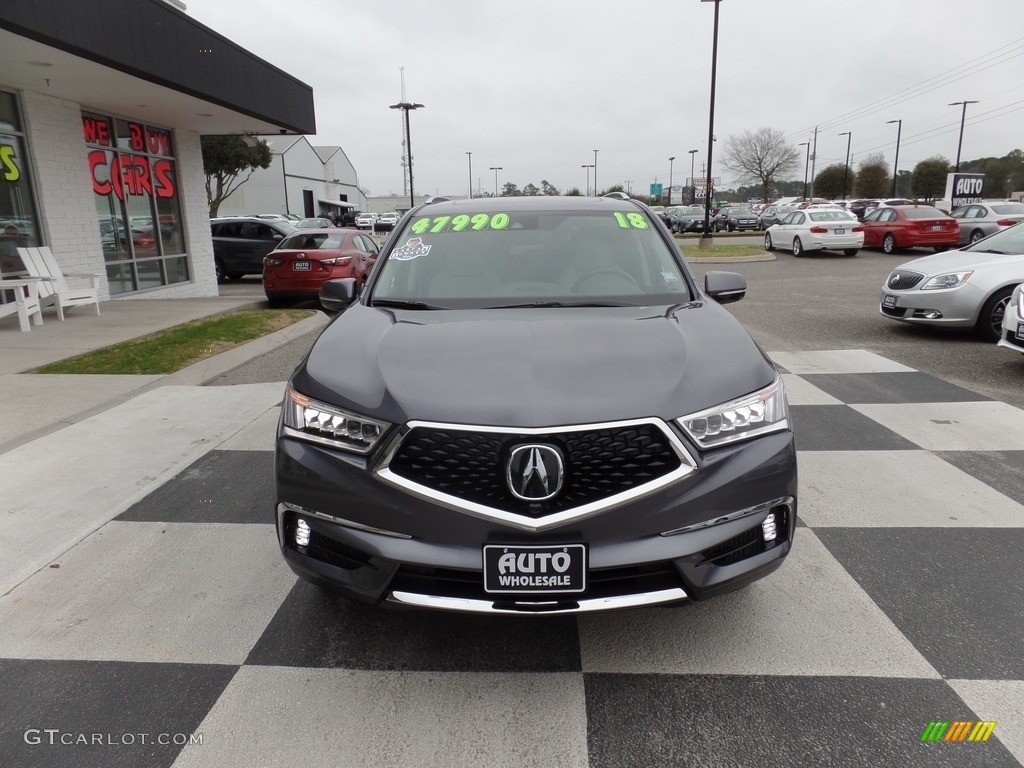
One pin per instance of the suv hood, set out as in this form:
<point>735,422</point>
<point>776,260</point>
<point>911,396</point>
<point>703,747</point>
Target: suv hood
<point>533,367</point>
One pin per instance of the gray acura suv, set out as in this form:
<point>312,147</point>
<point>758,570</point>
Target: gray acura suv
<point>534,408</point>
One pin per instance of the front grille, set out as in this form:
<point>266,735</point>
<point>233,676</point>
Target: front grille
<point>902,280</point>
<point>471,466</point>
<point>609,582</point>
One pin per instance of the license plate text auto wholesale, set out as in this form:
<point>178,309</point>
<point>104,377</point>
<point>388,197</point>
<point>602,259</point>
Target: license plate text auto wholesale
<point>300,266</point>
<point>889,302</point>
<point>1020,330</point>
<point>535,569</point>
<point>840,231</point>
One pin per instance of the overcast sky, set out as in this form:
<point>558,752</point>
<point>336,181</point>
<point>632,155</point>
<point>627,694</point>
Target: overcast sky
<point>535,86</point>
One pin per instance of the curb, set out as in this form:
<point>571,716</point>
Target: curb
<point>196,374</point>
<point>728,259</point>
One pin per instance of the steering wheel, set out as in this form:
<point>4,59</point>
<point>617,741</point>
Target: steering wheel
<point>624,276</point>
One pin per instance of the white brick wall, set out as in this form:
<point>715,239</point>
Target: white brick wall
<point>67,208</point>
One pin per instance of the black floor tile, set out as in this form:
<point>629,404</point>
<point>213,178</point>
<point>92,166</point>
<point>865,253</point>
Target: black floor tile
<point>221,487</point>
<point>314,628</point>
<point>892,387</point>
<point>1002,470</point>
<point>840,428</point>
<point>951,591</point>
<point>648,721</point>
<point>128,708</point>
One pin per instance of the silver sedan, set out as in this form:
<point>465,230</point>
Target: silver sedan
<point>966,288</point>
<point>979,220</point>
<point>1013,322</point>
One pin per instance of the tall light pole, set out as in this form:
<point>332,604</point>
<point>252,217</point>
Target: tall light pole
<point>595,173</point>
<point>406,106</point>
<point>470,156</point>
<point>807,162</point>
<point>963,116</point>
<point>671,161</point>
<point>711,121</point>
<point>846,172</point>
<point>588,167</point>
<point>693,186</point>
<point>496,168</point>
<point>896,162</point>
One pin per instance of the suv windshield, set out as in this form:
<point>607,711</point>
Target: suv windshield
<point>524,257</point>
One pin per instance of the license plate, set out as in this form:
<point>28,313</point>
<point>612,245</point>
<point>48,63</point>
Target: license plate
<point>889,302</point>
<point>535,569</point>
<point>1020,330</point>
<point>300,266</point>
<point>936,227</point>
<point>840,231</point>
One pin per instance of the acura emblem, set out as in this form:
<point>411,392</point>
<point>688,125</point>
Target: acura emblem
<point>535,472</point>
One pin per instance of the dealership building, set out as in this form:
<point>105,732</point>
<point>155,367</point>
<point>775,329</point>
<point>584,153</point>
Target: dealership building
<point>102,103</point>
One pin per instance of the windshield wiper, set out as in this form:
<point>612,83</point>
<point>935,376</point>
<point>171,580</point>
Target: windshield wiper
<point>532,304</point>
<point>403,304</point>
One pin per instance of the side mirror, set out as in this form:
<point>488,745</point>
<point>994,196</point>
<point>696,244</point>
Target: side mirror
<point>723,287</point>
<point>338,295</point>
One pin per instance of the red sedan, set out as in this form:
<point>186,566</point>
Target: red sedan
<point>907,226</point>
<point>304,260</point>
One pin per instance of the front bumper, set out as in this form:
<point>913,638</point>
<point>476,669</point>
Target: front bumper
<point>1013,325</point>
<point>694,539</point>
<point>952,308</point>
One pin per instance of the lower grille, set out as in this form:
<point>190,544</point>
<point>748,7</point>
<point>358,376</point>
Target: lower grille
<point>750,542</point>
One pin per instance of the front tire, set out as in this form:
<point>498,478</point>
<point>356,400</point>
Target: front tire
<point>990,321</point>
<point>889,244</point>
<point>798,247</point>
<point>768,245</point>
<point>218,268</point>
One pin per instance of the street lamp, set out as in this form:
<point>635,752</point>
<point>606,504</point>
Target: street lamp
<point>896,162</point>
<point>807,162</point>
<point>470,156</point>
<point>595,173</point>
<point>496,168</point>
<point>405,106</point>
<point>711,121</point>
<point>846,172</point>
<point>671,161</point>
<point>963,116</point>
<point>588,167</point>
<point>693,186</point>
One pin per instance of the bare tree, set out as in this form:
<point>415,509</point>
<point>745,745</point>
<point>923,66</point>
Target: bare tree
<point>760,157</point>
<point>225,158</point>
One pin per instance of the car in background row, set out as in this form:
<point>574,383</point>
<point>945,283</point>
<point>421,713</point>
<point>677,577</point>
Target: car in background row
<point>438,447</point>
<point>908,226</point>
<point>318,222</point>
<point>773,214</point>
<point>304,260</point>
<point>967,288</point>
<point>241,242</point>
<point>686,218</point>
<point>734,218</point>
<point>386,221</point>
<point>1013,322</point>
<point>977,220</point>
<point>816,229</point>
<point>366,220</point>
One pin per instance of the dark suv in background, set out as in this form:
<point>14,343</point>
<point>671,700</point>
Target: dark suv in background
<point>241,242</point>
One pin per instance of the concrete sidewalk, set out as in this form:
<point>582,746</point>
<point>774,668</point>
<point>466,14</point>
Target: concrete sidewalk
<point>36,405</point>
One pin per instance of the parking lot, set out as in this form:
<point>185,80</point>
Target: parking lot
<point>175,631</point>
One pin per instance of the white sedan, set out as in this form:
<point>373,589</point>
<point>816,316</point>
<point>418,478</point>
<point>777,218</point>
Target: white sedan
<point>816,229</point>
<point>1013,322</point>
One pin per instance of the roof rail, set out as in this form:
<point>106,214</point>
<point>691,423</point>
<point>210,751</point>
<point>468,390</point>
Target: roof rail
<point>437,199</point>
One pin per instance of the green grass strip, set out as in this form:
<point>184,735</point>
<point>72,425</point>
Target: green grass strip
<point>174,348</point>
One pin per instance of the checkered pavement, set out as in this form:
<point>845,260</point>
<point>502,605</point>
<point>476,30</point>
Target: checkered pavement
<point>172,617</point>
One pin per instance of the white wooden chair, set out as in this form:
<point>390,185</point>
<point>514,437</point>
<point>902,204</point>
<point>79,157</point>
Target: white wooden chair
<point>26,301</point>
<point>54,289</point>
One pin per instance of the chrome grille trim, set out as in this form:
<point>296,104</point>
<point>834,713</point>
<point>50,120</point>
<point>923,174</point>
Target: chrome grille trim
<point>760,509</point>
<point>469,605</point>
<point>686,467</point>
<point>903,280</point>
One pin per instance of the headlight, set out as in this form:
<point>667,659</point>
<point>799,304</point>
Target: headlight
<point>952,280</point>
<point>321,423</point>
<point>757,414</point>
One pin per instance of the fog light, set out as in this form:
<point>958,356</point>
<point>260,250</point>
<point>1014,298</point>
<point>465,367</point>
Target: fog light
<point>302,533</point>
<point>768,527</point>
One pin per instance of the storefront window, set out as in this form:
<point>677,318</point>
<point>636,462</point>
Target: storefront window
<point>19,222</point>
<point>138,209</point>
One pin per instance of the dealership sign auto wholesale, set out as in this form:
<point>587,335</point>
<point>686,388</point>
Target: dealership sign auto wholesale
<point>964,189</point>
